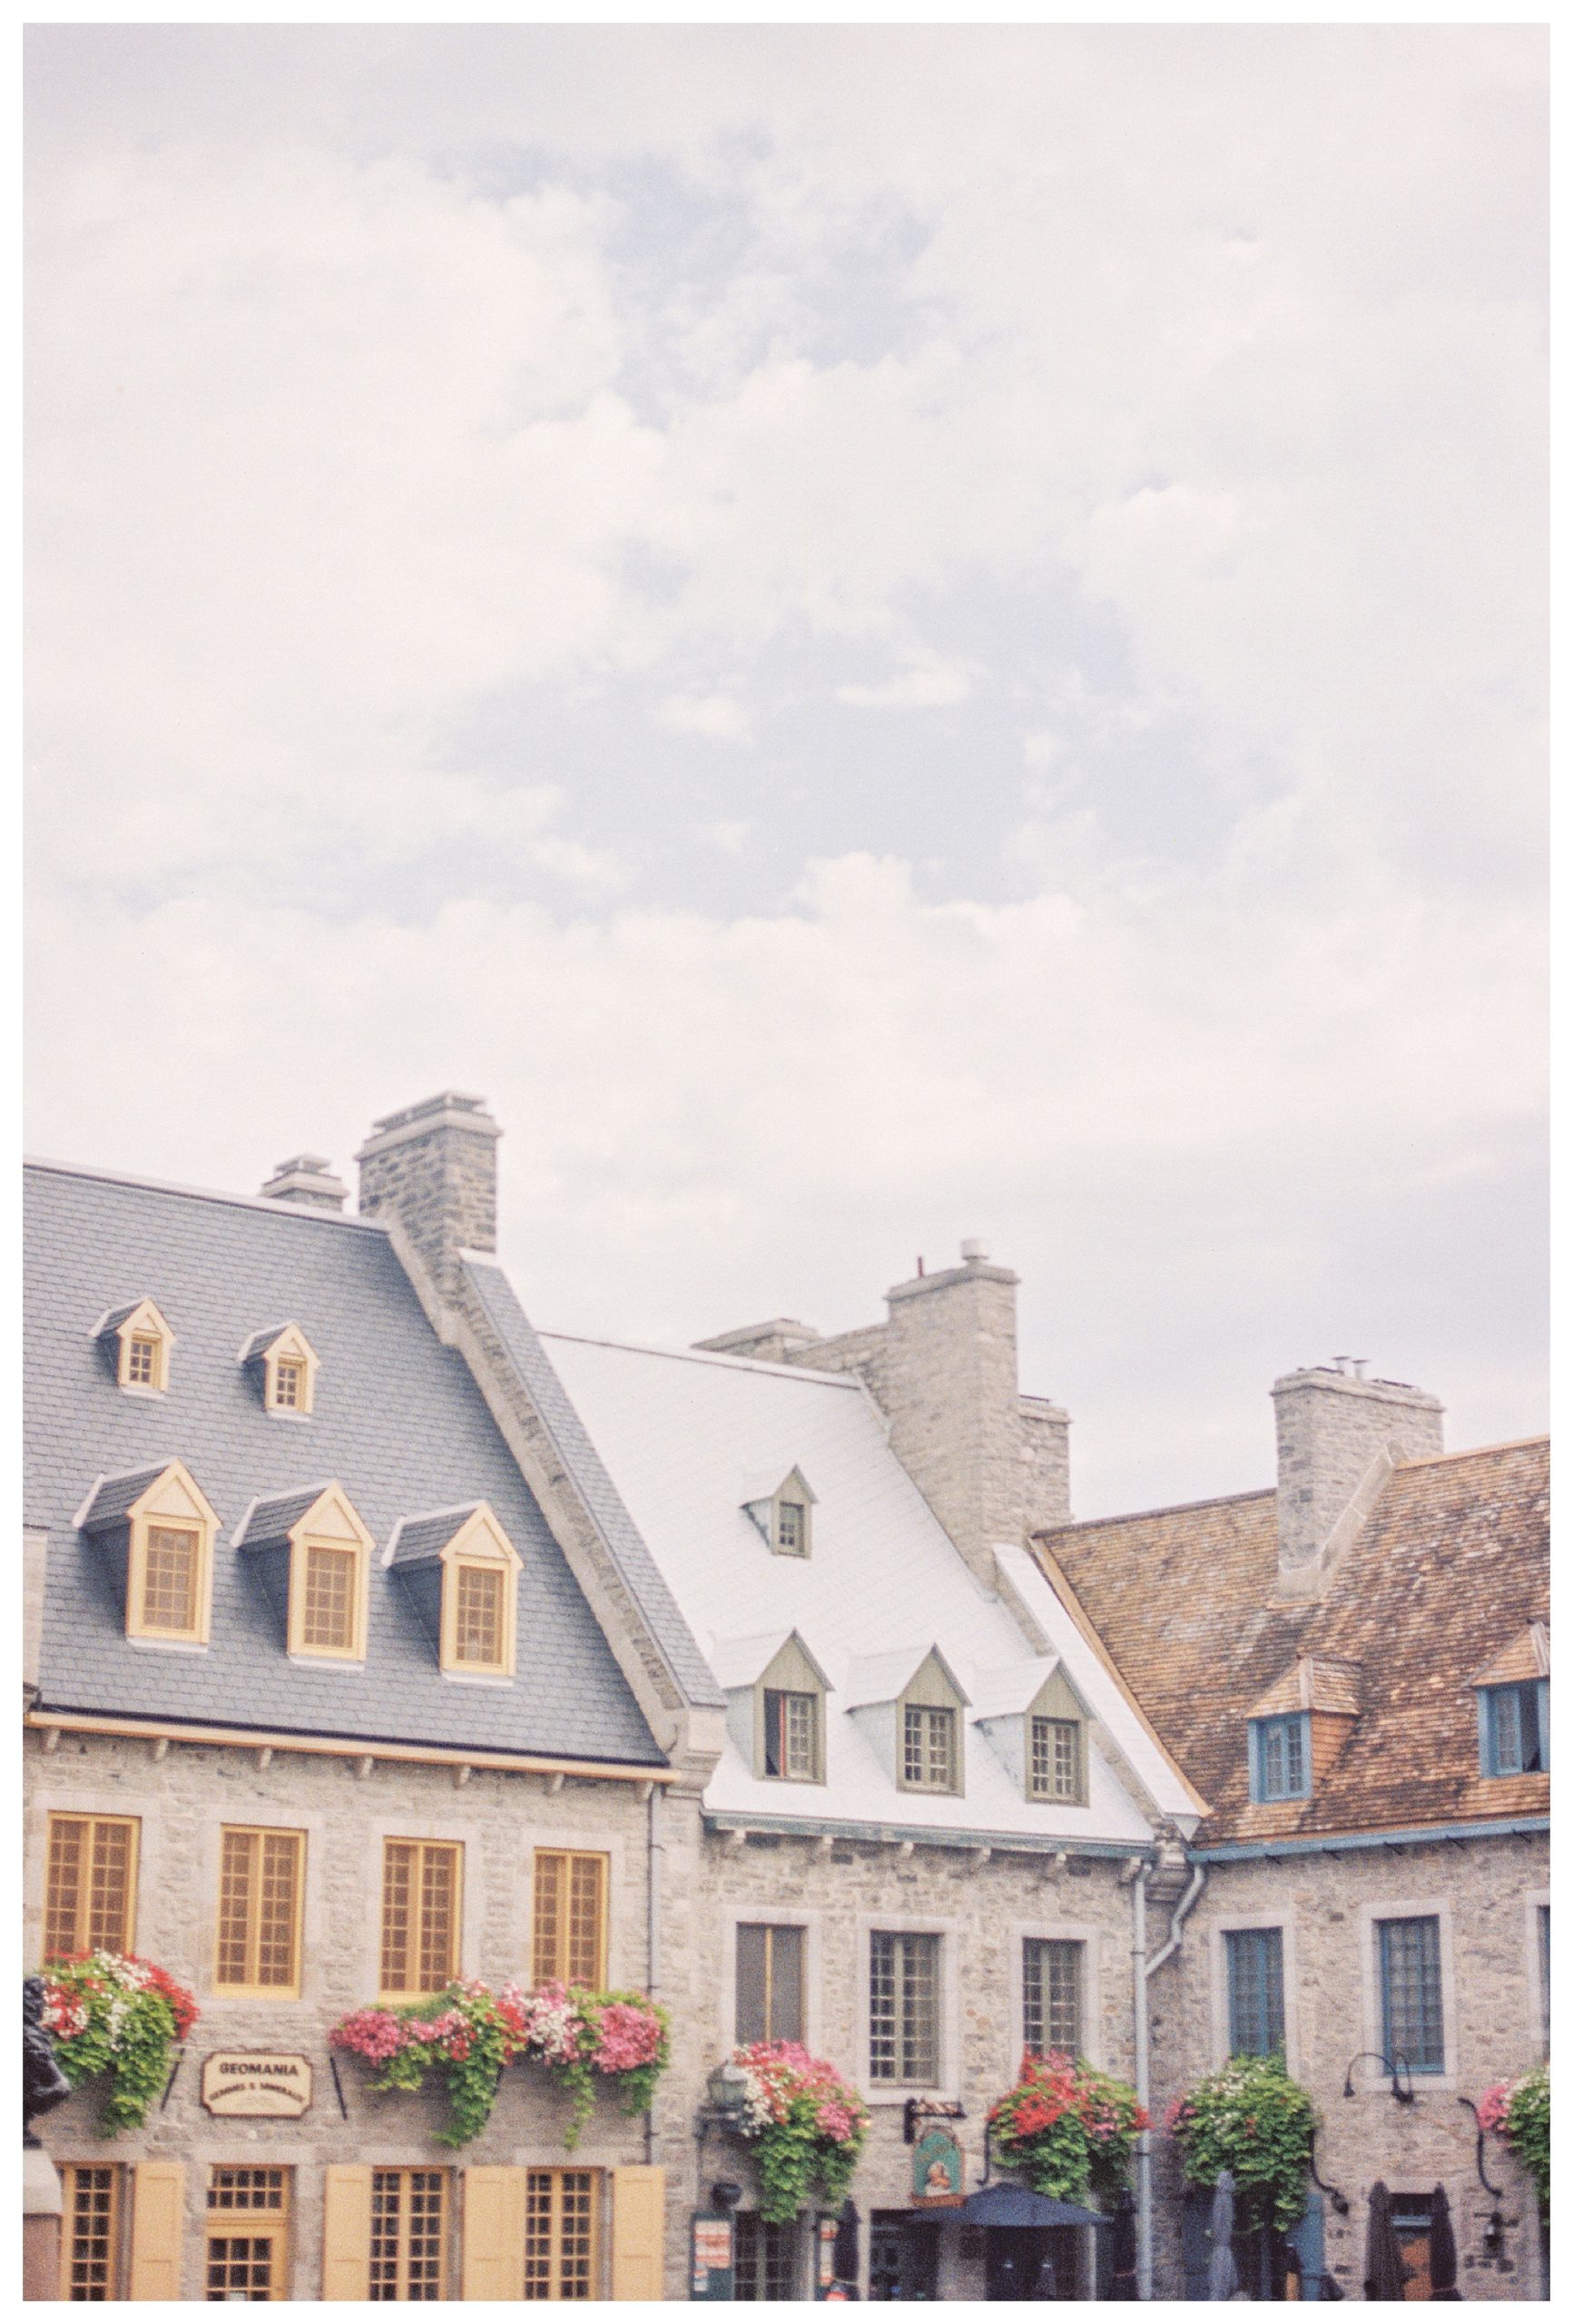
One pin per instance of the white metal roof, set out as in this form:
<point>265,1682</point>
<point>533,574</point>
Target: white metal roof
<point>677,1430</point>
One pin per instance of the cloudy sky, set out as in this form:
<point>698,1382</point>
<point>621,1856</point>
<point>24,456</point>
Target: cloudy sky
<point>878,634</point>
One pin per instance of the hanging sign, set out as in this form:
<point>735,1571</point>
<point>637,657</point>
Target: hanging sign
<point>937,2170</point>
<point>256,2082</point>
<point>710,2256</point>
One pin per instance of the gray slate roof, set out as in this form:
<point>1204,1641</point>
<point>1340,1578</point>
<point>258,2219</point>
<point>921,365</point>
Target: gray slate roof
<point>112,1499</point>
<point>261,1342</point>
<point>396,1419</point>
<point>268,1521</point>
<point>420,1538</point>
<point>643,1577</point>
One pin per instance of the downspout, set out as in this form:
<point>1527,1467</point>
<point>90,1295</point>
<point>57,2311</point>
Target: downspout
<point>1145,1969</point>
<point>654,1851</point>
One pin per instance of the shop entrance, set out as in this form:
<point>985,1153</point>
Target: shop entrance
<point>903,2257</point>
<point>1017,2258</point>
<point>1412,2225</point>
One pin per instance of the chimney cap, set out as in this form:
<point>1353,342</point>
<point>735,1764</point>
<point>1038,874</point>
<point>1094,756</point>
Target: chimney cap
<point>307,1181</point>
<point>973,1251</point>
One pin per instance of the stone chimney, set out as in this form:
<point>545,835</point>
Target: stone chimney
<point>1340,1438</point>
<point>992,1463</point>
<point>434,1167</point>
<point>307,1180</point>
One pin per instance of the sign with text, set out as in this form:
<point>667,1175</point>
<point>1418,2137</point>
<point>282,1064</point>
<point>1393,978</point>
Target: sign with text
<point>256,2082</point>
<point>710,2272</point>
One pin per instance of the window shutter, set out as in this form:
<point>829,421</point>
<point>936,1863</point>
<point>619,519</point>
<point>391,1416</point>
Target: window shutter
<point>638,2223</point>
<point>347,2231</point>
<point>1487,1756</point>
<point>1543,1714</point>
<point>157,2231</point>
<point>493,2231</point>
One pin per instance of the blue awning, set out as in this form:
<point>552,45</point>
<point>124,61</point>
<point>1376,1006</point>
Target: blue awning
<point>1005,2205</point>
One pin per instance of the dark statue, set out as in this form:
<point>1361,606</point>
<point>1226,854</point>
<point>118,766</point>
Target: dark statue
<point>43,2084</point>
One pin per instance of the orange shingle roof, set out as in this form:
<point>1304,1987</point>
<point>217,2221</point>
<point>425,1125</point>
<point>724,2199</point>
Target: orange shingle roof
<point>1451,1569</point>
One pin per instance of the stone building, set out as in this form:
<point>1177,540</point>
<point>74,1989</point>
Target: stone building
<point>321,1711</point>
<point>1353,1670</point>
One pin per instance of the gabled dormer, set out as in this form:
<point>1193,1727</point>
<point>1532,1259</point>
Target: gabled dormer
<point>157,1526</point>
<point>281,1364</point>
<point>135,1343</point>
<point>1296,1729</point>
<point>461,1572</point>
<point>312,1554</point>
<point>775,1695</point>
<point>910,1703</point>
<point>1513,1704</point>
<point>1040,1728</point>
<point>782,1513</point>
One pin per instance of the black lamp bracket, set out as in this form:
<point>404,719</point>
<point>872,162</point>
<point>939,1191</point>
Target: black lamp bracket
<point>1495,2192</point>
<point>928,2110</point>
<point>1339,2200</point>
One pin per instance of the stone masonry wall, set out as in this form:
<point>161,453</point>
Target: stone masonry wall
<point>434,1164</point>
<point>1331,1428</point>
<point>1484,1893</point>
<point>184,1799</point>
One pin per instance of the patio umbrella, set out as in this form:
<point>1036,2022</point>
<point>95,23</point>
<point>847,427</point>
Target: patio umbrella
<point>844,2257</point>
<point>1222,2276</point>
<point>1383,2265</point>
<point>1123,2255</point>
<point>1444,2251</point>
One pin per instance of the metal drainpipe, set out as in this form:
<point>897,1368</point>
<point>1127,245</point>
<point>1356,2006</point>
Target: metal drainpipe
<point>1144,2139</point>
<point>654,1851</point>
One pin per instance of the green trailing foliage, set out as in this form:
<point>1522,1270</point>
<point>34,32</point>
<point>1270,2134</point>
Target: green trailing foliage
<point>1252,2119</point>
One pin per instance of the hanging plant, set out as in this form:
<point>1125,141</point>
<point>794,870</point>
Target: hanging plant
<point>1252,2119</point>
<point>1068,2129</point>
<point>109,2012</point>
<point>468,2034</point>
<point>806,2124</point>
<point>1519,2113</point>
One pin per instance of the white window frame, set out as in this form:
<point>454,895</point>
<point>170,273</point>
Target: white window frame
<point>949,2084</point>
<point>1090,1937</point>
<point>1218,1980</point>
<point>1369,2075</point>
<point>764,1911</point>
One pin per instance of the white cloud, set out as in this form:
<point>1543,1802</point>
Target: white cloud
<point>718,716</point>
<point>926,685</point>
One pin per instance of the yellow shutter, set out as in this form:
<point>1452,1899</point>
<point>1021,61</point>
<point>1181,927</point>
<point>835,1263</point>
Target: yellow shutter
<point>157,2229</point>
<point>347,2231</point>
<point>493,2231</point>
<point>638,2231</point>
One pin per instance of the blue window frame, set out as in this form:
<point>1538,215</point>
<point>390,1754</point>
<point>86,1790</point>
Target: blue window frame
<point>1281,1757</point>
<point>1409,1954</point>
<point>1516,1728</point>
<point>1254,1959</point>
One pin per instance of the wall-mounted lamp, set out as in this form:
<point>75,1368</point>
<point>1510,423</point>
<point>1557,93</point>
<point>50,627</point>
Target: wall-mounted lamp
<point>1400,2085</point>
<point>726,2097</point>
<point>1495,2192</point>
<point>1339,2200</point>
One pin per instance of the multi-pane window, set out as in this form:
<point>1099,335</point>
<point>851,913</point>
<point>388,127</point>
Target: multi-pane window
<point>90,2230</point>
<point>259,1883</point>
<point>480,1597</point>
<point>1408,1960</point>
<point>560,2235</point>
<point>570,1922</point>
<point>248,2216</point>
<point>929,1748</point>
<point>769,1983</point>
<point>1515,1729</point>
<point>1280,1760</point>
<point>329,1591</point>
<point>903,2007</point>
<point>408,2235</point>
<point>1051,1981</point>
<point>288,1385</point>
<point>142,1362</point>
<point>90,1885</point>
<point>764,2257</point>
<point>171,1579</point>
<point>1254,1961</point>
<point>1056,1758</point>
<point>792,1735</point>
<point>420,1914</point>
<point>792,1529</point>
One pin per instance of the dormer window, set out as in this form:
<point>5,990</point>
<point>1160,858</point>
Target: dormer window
<point>161,1526</point>
<point>283,1364</point>
<point>462,1571</point>
<point>1038,1725</point>
<point>314,1554</point>
<point>782,1513</point>
<point>909,1706</point>
<point>1516,1728</point>
<point>1280,1757</point>
<point>1055,1760</point>
<point>137,1341</point>
<point>792,1721</point>
<point>929,1756</point>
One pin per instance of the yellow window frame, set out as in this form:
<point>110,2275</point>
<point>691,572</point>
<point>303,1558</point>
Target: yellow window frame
<point>426,1851</point>
<point>331,1523</point>
<point>252,1987</point>
<point>545,2189</point>
<point>262,2223</point>
<point>551,1948</point>
<point>480,1545</point>
<point>105,2225</point>
<point>80,1937</point>
<point>174,1503</point>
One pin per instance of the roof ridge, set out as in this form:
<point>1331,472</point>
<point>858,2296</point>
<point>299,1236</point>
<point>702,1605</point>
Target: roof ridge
<point>276,1208</point>
<point>703,1355</point>
<point>1474,1452</point>
<point>1138,1516</point>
